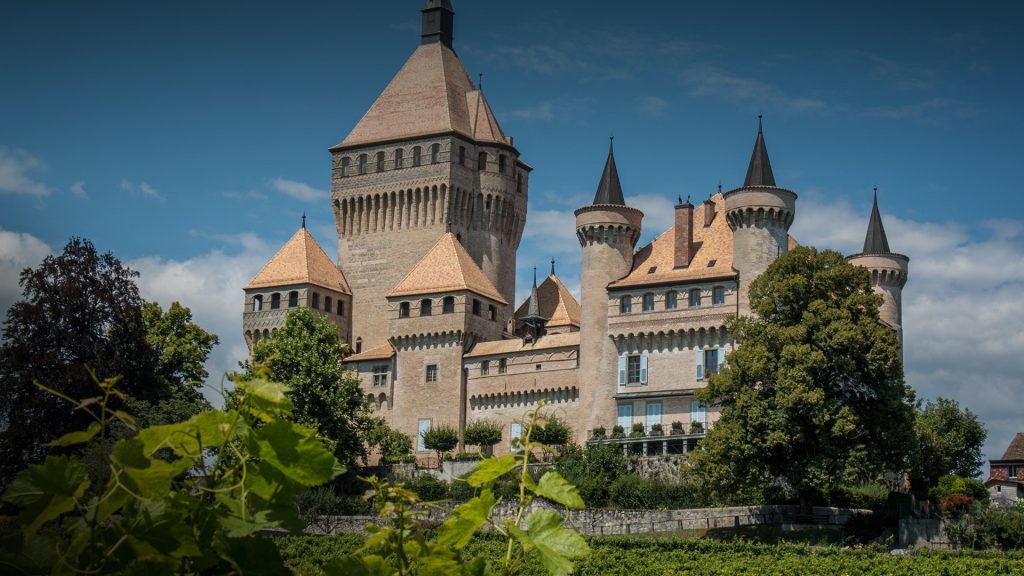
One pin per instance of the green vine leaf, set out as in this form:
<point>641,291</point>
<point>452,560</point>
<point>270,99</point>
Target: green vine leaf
<point>265,400</point>
<point>555,544</point>
<point>370,565</point>
<point>490,470</point>
<point>465,520</point>
<point>295,451</point>
<point>77,437</point>
<point>557,489</point>
<point>45,491</point>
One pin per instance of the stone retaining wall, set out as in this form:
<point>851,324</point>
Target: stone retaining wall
<point>603,522</point>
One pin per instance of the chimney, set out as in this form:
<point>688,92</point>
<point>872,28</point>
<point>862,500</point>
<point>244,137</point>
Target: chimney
<point>684,234</point>
<point>709,211</point>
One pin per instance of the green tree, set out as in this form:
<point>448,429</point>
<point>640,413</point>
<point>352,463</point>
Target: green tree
<point>442,438</point>
<point>554,432</point>
<point>394,446</point>
<point>593,470</point>
<point>813,397</point>
<point>78,308</point>
<point>306,356</point>
<point>182,348</point>
<point>483,433</point>
<point>949,441</point>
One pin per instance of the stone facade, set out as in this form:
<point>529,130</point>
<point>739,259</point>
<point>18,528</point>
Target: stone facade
<point>429,198</point>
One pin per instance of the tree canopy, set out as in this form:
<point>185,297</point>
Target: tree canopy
<point>949,442</point>
<point>306,355</point>
<point>78,308</point>
<point>813,396</point>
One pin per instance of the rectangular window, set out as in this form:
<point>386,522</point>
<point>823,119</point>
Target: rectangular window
<point>476,307</point>
<point>380,375</point>
<point>1012,471</point>
<point>448,305</point>
<point>648,302</point>
<point>653,414</point>
<point>431,373</point>
<point>421,429</point>
<point>341,307</point>
<point>671,300</point>
<point>695,298</point>
<point>485,367</point>
<point>403,310</point>
<point>625,417</point>
<point>625,305</point>
<point>698,413</point>
<point>515,433</point>
<point>718,295</point>
<point>502,366</point>
<point>633,369</point>
<point>711,362</point>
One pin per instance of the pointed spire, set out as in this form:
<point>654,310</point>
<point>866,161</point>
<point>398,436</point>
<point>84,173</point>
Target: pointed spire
<point>759,173</point>
<point>609,190</point>
<point>875,241</point>
<point>533,310</point>
<point>303,220</point>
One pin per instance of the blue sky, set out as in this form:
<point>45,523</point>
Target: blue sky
<point>188,138</point>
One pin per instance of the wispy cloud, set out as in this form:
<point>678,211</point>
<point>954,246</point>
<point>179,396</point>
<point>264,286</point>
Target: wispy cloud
<point>15,166</point>
<point>652,105</point>
<point>706,80</point>
<point>247,195</point>
<point>78,189</point>
<point>931,111</point>
<point>299,190</point>
<point>564,109</point>
<point>18,250</point>
<point>143,188</point>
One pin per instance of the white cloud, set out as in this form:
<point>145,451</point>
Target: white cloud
<point>15,166</point>
<point>299,190</point>
<point>707,80</point>
<point>18,250</point>
<point>652,105</point>
<point>211,286</point>
<point>143,188</point>
<point>962,310</point>
<point>555,230</point>
<point>659,215</point>
<point>78,189</point>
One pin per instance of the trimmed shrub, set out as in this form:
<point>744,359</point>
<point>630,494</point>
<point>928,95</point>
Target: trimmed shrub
<point>657,430</point>
<point>598,433</point>
<point>638,431</point>
<point>677,427</point>
<point>555,432</point>
<point>429,489</point>
<point>618,431</point>
<point>482,433</point>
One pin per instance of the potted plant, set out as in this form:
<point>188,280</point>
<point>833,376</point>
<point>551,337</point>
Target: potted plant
<point>598,433</point>
<point>638,430</point>
<point>677,427</point>
<point>697,428</point>
<point>657,430</point>
<point>618,431</point>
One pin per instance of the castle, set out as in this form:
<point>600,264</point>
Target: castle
<point>429,198</point>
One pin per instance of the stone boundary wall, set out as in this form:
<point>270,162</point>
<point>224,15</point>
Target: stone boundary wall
<point>923,533</point>
<point>605,522</point>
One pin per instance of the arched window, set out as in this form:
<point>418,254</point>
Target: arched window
<point>399,157</point>
<point>359,345</point>
<point>426,307</point>
<point>275,301</point>
<point>416,155</point>
<point>341,307</point>
<point>718,295</point>
<point>481,163</point>
<point>257,303</point>
<point>435,153</point>
<point>625,305</point>
<point>328,304</point>
<point>462,155</point>
<point>403,310</point>
<point>344,166</point>
<point>501,163</point>
<point>695,298</point>
<point>362,164</point>
<point>293,299</point>
<point>648,302</point>
<point>671,300</point>
<point>492,313</point>
<point>448,305</point>
<point>315,301</point>
<point>380,161</point>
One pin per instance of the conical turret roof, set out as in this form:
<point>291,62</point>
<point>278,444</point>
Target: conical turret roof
<point>875,241</point>
<point>300,261</point>
<point>609,190</point>
<point>759,173</point>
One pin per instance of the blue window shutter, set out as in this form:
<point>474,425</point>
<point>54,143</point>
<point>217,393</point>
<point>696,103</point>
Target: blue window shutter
<point>643,369</point>
<point>622,370</point>
<point>699,357</point>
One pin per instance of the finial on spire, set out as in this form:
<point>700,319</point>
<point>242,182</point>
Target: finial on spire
<point>876,194</point>
<point>534,276</point>
<point>448,225</point>
<point>719,186</point>
<point>552,266</point>
<point>303,219</point>
<point>480,82</point>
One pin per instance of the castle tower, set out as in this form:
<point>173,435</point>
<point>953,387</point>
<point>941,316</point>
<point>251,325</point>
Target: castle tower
<point>888,270</point>
<point>759,214</point>
<point>301,274</point>
<point>608,230</point>
<point>427,157</point>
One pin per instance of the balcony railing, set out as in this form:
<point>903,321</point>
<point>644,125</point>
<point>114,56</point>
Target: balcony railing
<point>653,445</point>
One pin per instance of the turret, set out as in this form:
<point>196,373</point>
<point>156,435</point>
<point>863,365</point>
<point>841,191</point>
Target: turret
<point>608,231</point>
<point>759,214</point>
<point>888,270</point>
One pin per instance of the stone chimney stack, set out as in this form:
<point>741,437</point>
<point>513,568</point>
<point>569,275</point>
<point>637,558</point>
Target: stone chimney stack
<point>684,234</point>
<point>709,211</point>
